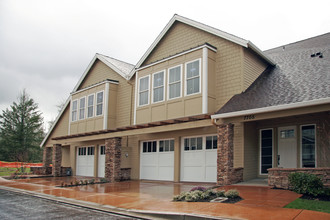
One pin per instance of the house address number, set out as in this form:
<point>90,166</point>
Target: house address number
<point>249,117</point>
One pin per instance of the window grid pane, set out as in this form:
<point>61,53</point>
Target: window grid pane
<point>82,108</point>
<point>90,109</point>
<point>266,150</point>
<point>308,145</point>
<point>144,91</point>
<point>99,103</point>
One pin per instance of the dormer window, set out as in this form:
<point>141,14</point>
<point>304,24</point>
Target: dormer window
<point>158,87</point>
<point>74,110</point>
<point>99,103</point>
<point>193,77</point>
<point>90,106</point>
<point>82,103</point>
<point>174,82</point>
<point>144,91</point>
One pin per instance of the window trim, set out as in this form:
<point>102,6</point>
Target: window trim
<point>93,106</point>
<point>148,90</point>
<point>203,136</point>
<point>273,150</point>
<point>157,145</point>
<point>199,75</point>
<point>315,145</point>
<point>96,104</point>
<point>153,86</point>
<point>72,101</point>
<point>83,97</point>
<point>168,82</point>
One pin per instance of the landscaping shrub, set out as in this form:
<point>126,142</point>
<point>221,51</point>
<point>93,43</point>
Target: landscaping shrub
<point>231,194</point>
<point>305,183</point>
<point>199,188</point>
<point>205,196</point>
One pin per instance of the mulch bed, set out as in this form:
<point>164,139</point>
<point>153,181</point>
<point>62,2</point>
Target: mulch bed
<point>321,197</point>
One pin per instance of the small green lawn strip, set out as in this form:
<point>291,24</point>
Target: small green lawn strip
<point>7,171</point>
<point>314,205</point>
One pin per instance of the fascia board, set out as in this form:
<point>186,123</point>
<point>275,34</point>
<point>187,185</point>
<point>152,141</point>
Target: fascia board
<point>272,108</point>
<point>260,53</point>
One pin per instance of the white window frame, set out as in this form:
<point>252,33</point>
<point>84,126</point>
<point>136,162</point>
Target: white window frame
<point>301,144</point>
<point>203,142</point>
<point>172,83</point>
<point>153,86</point>
<point>96,104</point>
<point>93,106</point>
<point>157,145</point>
<point>84,116</point>
<point>273,150</point>
<point>199,76</point>
<point>148,90</point>
<point>76,100</point>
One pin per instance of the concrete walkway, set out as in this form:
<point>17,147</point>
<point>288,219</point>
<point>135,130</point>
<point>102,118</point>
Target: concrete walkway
<point>138,198</point>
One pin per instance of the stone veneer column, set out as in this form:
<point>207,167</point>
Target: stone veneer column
<point>57,159</point>
<point>225,157</point>
<point>112,159</point>
<point>47,156</point>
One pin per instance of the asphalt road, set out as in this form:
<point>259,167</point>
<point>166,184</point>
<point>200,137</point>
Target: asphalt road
<point>22,206</point>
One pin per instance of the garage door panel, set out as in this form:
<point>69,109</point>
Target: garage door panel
<point>209,174</point>
<point>165,173</point>
<point>193,174</point>
<point>84,163</point>
<point>194,158</point>
<point>211,158</point>
<point>157,161</point>
<point>199,165</point>
<point>166,159</point>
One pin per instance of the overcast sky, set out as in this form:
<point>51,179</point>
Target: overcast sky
<point>46,45</point>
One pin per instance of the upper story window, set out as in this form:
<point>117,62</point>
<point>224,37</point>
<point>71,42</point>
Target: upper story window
<point>174,82</point>
<point>193,77</point>
<point>144,91</point>
<point>74,109</point>
<point>82,103</point>
<point>90,106</point>
<point>99,103</point>
<point>158,87</point>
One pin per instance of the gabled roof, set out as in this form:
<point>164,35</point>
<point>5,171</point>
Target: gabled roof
<point>301,77</point>
<point>120,67</point>
<point>206,28</point>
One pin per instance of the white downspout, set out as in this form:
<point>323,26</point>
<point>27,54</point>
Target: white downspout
<point>205,81</point>
<point>106,106</point>
<point>136,95</point>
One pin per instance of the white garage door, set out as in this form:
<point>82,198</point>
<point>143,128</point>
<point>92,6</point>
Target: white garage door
<point>157,160</point>
<point>199,159</point>
<point>101,165</point>
<point>85,161</point>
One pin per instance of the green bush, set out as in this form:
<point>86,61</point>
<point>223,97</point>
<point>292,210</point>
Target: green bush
<point>305,183</point>
<point>231,194</point>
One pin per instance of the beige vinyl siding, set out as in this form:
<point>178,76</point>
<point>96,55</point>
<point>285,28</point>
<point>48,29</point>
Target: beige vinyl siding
<point>61,127</point>
<point>98,73</point>
<point>66,156</point>
<point>229,61</point>
<point>251,151</point>
<point>253,67</point>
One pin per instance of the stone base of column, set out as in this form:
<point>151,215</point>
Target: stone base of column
<point>57,160</point>
<point>113,159</point>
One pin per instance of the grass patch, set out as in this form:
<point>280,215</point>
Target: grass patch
<point>314,205</point>
<point>7,171</point>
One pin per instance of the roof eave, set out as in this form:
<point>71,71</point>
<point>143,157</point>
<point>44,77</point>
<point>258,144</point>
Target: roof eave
<point>272,108</point>
<point>260,53</point>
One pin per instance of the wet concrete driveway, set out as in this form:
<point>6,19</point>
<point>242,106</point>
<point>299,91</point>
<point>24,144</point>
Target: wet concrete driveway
<point>155,197</point>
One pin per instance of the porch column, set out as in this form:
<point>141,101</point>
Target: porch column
<point>112,159</point>
<point>227,174</point>
<point>57,159</point>
<point>47,156</point>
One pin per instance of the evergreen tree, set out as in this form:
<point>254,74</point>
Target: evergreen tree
<point>21,131</point>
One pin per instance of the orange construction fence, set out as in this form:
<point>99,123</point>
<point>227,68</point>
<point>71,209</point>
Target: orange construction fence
<point>19,164</point>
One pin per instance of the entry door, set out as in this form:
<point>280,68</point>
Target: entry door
<point>287,147</point>
<point>101,164</point>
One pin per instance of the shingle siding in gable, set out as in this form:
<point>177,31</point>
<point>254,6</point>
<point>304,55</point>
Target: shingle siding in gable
<point>253,67</point>
<point>98,73</point>
<point>228,58</point>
